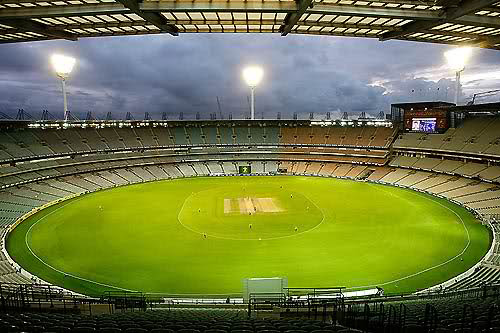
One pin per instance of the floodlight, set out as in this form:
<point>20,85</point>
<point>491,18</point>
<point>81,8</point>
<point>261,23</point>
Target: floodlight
<point>253,75</point>
<point>457,58</point>
<point>63,65</point>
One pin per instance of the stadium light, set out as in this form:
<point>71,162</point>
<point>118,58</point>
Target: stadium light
<point>252,76</point>
<point>63,66</point>
<point>457,59</point>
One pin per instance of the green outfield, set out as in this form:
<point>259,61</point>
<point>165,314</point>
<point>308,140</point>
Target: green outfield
<point>202,236</point>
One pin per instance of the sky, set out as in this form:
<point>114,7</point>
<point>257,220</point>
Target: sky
<point>302,74</point>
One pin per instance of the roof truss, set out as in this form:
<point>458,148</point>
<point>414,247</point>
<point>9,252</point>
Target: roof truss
<point>291,19</point>
<point>154,18</point>
<point>448,14</point>
<point>475,22</point>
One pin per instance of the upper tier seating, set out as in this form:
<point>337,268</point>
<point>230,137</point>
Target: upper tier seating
<point>31,143</point>
<point>339,136</point>
<point>476,135</point>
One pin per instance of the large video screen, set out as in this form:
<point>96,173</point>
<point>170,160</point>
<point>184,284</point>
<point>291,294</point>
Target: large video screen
<point>244,169</point>
<point>427,125</point>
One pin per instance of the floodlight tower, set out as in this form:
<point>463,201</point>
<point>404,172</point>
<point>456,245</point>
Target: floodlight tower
<point>457,59</point>
<point>63,66</point>
<point>253,75</point>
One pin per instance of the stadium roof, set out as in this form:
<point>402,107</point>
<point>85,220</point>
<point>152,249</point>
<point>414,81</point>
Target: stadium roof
<point>480,108</point>
<point>472,22</point>
<point>421,105</point>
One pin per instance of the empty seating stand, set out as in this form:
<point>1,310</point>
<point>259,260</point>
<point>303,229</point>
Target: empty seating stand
<point>182,321</point>
<point>40,166</point>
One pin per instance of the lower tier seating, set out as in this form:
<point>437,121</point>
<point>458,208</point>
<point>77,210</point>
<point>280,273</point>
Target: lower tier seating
<point>182,321</point>
<point>441,314</point>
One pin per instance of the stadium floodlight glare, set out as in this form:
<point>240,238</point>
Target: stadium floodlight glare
<point>63,66</point>
<point>253,75</point>
<point>457,59</point>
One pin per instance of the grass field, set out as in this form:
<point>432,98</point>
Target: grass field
<point>193,236</point>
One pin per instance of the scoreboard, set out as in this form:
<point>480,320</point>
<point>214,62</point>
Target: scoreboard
<point>424,117</point>
<point>427,121</point>
<point>244,169</point>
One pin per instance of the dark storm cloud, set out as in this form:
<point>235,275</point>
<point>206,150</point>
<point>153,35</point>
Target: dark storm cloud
<point>160,73</point>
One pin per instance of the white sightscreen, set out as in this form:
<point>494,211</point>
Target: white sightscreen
<point>264,288</point>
